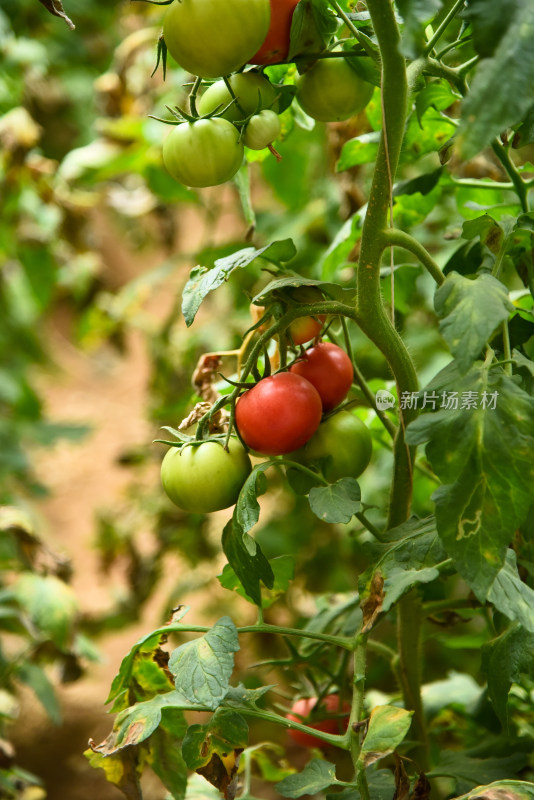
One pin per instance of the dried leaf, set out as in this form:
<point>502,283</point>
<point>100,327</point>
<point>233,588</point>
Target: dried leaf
<point>56,8</point>
<point>402,781</point>
<point>222,773</point>
<point>372,605</point>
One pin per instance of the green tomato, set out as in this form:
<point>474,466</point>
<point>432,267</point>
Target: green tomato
<point>205,477</point>
<point>203,153</point>
<point>341,447</point>
<point>262,129</point>
<point>248,87</point>
<point>211,38</point>
<point>331,90</point>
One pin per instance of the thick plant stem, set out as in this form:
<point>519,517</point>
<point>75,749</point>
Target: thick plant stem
<point>373,318</point>
<point>376,324</point>
<point>409,617</point>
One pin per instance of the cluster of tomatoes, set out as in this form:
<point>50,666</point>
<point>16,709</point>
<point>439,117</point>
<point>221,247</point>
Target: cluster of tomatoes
<point>211,40</point>
<point>294,412</point>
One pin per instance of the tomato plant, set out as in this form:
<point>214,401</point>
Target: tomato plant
<point>331,90</point>
<point>203,153</point>
<point>279,414</point>
<point>341,447</point>
<point>276,44</point>
<point>329,369</point>
<point>250,89</point>
<point>212,39</point>
<point>329,716</point>
<point>205,477</point>
<point>261,130</point>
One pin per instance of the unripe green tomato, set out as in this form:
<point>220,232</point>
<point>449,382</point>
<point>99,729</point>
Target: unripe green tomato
<point>262,129</point>
<point>203,153</point>
<point>331,90</point>
<point>212,38</point>
<point>248,87</point>
<point>205,477</point>
<point>341,447</point>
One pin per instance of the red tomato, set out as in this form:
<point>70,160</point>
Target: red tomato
<point>330,717</point>
<point>329,369</point>
<point>276,45</point>
<point>279,414</point>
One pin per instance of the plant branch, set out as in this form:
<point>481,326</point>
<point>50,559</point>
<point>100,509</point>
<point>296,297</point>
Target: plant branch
<point>440,30</point>
<point>397,238</point>
<point>519,185</point>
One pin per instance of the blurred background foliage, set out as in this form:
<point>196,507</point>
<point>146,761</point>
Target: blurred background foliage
<point>97,240</point>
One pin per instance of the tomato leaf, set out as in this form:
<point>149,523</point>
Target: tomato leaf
<point>388,725</point>
<point>202,668</point>
<point>283,568</point>
<point>416,14</point>
<point>312,26</point>
<point>247,560</point>
<point>470,312</point>
<point>477,771</point>
<point>165,752</point>
<point>202,281</point>
<point>316,776</point>
<point>225,731</point>
<point>247,510</point>
<point>337,502</point>
<point>487,422</point>
<point>511,596</point>
<point>504,659</point>
<point>500,93</point>
<point>145,648</point>
<point>410,558</point>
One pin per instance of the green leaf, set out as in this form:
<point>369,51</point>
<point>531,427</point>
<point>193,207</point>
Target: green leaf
<point>239,697</point>
<point>477,771</point>
<point>283,568</point>
<point>246,558</point>
<point>409,560</point>
<point>226,731</point>
<point>360,150</point>
<point>422,184</point>
<point>504,660</point>
<point>316,776</point>
<point>165,753</point>
<point>337,502</point>
<point>437,94</point>
<point>500,93</point>
<point>388,725</point>
<point>480,444</point>
<point>489,22</point>
<point>247,510</point>
<point>312,26</point>
<point>51,605</point>
<point>134,663</point>
<point>203,281</point>
<point>511,596</point>
<point>470,312</point>
<point>36,678</point>
<point>416,15</point>
<point>203,667</point>
<point>198,788</point>
<point>457,689</point>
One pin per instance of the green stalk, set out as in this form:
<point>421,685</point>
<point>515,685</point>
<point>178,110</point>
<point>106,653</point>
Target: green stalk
<point>376,324</point>
<point>374,320</point>
<point>397,238</point>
